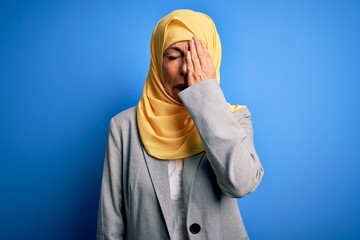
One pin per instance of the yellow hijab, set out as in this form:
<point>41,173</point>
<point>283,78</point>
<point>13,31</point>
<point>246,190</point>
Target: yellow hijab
<point>166,128</point>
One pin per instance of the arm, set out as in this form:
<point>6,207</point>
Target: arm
<point>228,142</point>
<point>110,220</point>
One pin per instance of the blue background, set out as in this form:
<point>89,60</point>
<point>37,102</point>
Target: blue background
<point>66,67</point>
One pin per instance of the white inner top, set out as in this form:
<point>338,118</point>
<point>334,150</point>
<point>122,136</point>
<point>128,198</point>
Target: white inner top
<point>175,170</point>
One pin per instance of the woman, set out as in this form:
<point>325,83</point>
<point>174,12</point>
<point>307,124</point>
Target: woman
<point>175,163</point>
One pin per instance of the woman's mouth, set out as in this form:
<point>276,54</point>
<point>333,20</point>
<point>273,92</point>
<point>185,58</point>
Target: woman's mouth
<point>181,87</point>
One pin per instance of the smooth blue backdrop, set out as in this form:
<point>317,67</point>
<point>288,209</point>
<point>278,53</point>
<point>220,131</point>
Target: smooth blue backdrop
<point>66,67</point>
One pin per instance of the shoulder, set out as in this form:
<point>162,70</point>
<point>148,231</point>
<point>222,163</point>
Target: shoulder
<point>242,113</point>
<point>126,115</point>
<point>124,119</point>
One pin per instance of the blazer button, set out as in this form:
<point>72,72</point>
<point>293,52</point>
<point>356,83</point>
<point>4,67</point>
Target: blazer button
<point>195,228</point>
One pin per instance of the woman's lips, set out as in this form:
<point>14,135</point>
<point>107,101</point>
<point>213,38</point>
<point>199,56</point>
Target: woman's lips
<point>181,87</point>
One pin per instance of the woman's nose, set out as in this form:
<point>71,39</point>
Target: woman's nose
<point>183,69</point>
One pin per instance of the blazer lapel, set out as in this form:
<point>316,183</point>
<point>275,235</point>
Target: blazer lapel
<point>189,172</point>
<point>158,170</point>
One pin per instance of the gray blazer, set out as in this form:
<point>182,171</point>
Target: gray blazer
<point>135,192</point>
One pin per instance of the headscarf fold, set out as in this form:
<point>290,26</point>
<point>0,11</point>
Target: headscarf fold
<point>166,128</point>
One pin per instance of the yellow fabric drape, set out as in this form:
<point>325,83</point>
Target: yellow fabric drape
<point>166,128</point>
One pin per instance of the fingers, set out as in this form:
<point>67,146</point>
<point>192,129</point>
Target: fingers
<point>207,55</point>
<point>195,58</point>
<point>190,69</point>
<point>199,62</point>
<point>203,53</point>
<point>198,52</point>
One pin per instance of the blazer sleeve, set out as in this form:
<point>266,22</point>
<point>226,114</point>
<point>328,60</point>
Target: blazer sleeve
<point>228,141</point>
<point>110,224</point>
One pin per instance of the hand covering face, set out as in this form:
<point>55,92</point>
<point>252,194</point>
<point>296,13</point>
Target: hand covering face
<point>166,128</point>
